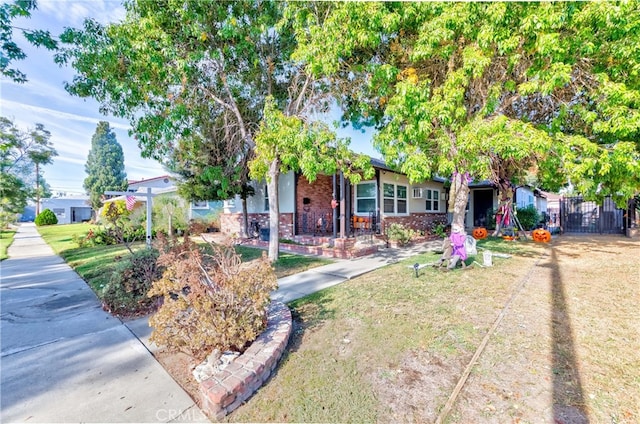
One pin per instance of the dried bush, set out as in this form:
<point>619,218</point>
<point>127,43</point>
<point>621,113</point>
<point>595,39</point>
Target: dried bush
<point>399,233</point>
<point>211,301</point>
<point>126,291</point>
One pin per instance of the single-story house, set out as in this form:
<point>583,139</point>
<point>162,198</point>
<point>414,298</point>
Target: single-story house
<point>309,208</point>
<point>69,209</point>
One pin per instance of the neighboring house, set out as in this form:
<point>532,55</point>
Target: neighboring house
<point>70,209</point>
<point>164,185</point>
<point>28,214</point>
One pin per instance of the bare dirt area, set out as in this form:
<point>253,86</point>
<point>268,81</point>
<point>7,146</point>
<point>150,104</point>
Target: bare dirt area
<point>568,349</point>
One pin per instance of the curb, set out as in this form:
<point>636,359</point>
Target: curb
<point>228,389</point>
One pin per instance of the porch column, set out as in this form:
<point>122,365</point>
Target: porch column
<point>343,232</point>
<point>334,210</point>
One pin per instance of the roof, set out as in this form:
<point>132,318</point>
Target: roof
<point>146,180</point>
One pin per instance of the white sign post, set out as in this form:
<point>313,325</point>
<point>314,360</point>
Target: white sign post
<point>149,196</point>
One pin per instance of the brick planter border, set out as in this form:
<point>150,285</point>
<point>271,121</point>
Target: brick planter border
<point>229,388</point>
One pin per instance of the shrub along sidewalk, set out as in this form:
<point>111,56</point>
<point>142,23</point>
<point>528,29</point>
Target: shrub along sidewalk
<point>96,264</point>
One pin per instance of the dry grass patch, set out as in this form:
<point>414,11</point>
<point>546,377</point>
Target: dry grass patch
<point>386,347</point>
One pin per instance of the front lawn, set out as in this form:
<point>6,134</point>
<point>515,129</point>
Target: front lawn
<point>96,263</point>
<point>390,347</point>
<point>6,238</point>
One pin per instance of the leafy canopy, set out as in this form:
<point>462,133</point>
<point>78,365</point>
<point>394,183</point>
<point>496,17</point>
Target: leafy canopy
<point>9,49</point>
<point>520,85</point>
<point>20,153</point>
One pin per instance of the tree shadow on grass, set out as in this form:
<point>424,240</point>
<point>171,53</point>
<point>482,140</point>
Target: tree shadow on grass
<point>568,395</point>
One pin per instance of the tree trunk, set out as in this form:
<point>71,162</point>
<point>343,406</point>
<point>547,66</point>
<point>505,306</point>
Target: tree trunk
<point>274,210</point>
<point>458,198</point>
<point>245,217</point>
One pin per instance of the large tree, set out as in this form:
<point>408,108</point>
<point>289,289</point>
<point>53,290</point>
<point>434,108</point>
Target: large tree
<point>489,89</point>
<point>21,155</point>
<point>192,78</point>
<point>105,165</point>
<point>289,143</point>
<point>9,49</point>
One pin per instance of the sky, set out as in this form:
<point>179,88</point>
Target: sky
<point>72,120</point>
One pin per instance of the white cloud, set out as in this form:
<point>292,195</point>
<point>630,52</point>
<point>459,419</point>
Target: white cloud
<point>59,114</point>
<point>74,12</point>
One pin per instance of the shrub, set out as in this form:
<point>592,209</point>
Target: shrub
<point>399,233</point>
<point>126,291</point>
<point>46,217</point>
<point>528,217</point>
<point>209,301</point>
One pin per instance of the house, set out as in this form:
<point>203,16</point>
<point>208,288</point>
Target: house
<point>165,185</point>
<point>69,209</point>
<point>315,208</point>
<point>309,209</point>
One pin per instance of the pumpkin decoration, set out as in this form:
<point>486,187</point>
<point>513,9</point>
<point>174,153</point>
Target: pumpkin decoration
<point>541,235</point>
<point>479,233</point>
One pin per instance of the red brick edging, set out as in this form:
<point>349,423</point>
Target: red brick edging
<point>229,388</point>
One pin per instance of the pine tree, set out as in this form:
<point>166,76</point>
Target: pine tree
<point>105,165</point>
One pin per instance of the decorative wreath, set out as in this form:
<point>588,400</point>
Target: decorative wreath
<point>541,236</point>
<point>479,233</point>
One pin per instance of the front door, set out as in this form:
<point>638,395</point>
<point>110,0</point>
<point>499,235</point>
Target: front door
<point>482,204</point>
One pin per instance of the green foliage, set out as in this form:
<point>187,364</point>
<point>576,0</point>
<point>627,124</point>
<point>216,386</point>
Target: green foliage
<point>529,217</point>
<point>105,165</point>
<point>399,233</point>
<point>9,50</point>
<point>46,217</point>
<point>21,154</point>
<point>170,214</point>
<point>493,89</point>
<point>131,280</point>
<point>209,301</point>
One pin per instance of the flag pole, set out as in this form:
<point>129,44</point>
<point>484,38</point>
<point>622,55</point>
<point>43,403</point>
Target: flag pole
<point>149,198</point>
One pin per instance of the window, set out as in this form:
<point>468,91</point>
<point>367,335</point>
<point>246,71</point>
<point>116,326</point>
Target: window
<point>60,213</point>
<point>432,204</point>
<point>394,198</point>
<point>199,204</point>
<point>366,197</point>
<point>230,203</point>
<point>417,193</point>
<point>266,199</point>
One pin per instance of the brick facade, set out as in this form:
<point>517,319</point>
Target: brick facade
<point>231,223</point>
<point>416,221</point>
<point>319,194</point>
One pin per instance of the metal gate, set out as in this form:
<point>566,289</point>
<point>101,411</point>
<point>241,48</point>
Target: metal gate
<point>580,216</point>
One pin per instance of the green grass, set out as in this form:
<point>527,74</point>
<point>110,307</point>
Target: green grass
<point>95,264</point>
<point>6,238</point>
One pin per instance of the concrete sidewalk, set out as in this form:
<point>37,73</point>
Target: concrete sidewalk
<point>66,360</point>
<point>302,284</point>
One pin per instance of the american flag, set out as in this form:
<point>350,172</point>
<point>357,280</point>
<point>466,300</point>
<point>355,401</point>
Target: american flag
<point>131,202</point>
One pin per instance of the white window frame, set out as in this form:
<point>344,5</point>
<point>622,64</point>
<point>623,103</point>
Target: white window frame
<point>356,198</point>
<point>396,199</point>
<point>229,203</point>
<point>416,193</point>
<point>60,212</point>
<point>431,196</point>
<point>198,204</point>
